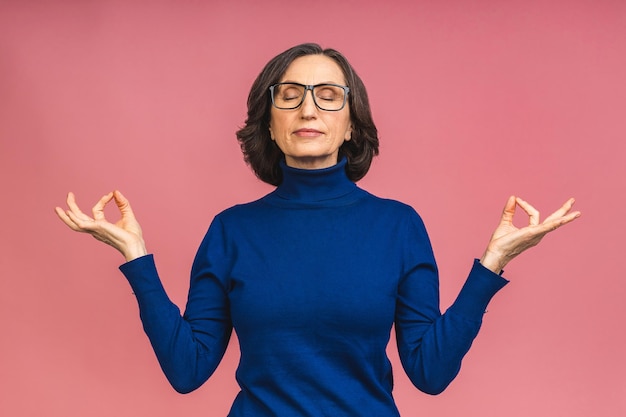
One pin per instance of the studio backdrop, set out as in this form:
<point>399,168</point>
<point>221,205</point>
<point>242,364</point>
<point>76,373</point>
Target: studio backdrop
<point>474,101</point>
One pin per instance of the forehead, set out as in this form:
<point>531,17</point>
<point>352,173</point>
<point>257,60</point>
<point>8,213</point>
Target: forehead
<point>314,69</point>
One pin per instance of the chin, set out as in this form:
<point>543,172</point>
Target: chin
<point>311,160</point>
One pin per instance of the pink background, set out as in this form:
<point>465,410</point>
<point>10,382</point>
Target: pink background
<point>473,100</point>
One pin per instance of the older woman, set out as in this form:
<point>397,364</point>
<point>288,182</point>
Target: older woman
<point>313,275</point>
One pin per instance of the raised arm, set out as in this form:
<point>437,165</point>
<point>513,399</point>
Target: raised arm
<point>188,347</point>
<point>432,345</point>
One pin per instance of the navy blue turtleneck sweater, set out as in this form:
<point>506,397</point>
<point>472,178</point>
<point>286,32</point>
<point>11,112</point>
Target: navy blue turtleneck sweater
<point>312,277</point>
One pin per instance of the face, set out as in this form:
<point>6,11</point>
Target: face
<point>309,137</point>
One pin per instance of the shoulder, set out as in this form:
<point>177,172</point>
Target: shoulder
<point>392,206</point>
<point>241,211</point>
<point>233,220</point>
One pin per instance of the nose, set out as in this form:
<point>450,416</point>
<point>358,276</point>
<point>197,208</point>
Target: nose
<point>308,109</point>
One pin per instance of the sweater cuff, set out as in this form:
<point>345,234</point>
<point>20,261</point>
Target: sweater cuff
<point>143,277</point>
<point>481,285</point>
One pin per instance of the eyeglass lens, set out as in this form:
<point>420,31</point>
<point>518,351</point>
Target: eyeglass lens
<point>326,96</point>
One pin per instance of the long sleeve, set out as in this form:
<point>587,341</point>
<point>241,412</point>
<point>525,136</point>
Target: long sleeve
<point>188,347</point>
<point>431,345</point>
<point>312,277</point>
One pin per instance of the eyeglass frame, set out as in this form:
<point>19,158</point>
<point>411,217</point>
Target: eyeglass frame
<point>310,87</point>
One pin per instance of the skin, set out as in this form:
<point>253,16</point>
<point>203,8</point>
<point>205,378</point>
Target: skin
<point>507,241</point>
<point>124,235</point>
<point>309,137</point>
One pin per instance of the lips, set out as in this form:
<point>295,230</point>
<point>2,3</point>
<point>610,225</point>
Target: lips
<point>307,132</point>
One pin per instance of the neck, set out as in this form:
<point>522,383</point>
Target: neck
<point>311,162</point>
<point>310,185</point>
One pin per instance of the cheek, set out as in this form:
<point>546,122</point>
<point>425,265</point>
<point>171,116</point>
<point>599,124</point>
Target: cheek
<point>344,130</point>
<point>278,126</point>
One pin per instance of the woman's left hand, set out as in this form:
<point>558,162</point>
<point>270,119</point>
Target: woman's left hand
<point>509,241</point>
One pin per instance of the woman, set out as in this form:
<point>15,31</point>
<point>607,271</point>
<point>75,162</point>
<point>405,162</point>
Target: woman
<point>313,275</point>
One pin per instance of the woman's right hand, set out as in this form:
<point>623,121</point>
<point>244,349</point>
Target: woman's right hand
<point>124,235</point>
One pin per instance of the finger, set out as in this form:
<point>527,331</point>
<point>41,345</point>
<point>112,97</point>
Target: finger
<point>65,218</point>
<point>71,203</point>
<point>552,225</point>
<point>78,219</point>
<point>562,211</point>
<point>74,216</point>
<point>509,211</point>
<point>123,204</point>
<point>81,222</point>
<point>569,217</point>
<point>121,201</point>
<point>533,213</point>
<point>98,209</point>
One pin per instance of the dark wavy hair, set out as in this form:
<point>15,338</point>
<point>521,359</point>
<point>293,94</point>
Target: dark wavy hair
<point>263,155</point>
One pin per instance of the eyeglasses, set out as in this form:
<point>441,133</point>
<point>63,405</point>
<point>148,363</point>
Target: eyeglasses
<point>328,97</point>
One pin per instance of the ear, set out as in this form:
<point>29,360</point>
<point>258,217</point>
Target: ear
<point>271,133</point>
<point>348,134</point>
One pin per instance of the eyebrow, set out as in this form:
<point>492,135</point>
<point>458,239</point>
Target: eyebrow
<point>324,82</point>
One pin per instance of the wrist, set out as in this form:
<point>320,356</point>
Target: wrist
<point>134,251</point>
<point>493,262</point>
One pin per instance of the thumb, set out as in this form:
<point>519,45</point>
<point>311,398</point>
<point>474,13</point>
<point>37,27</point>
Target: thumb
<point>122,203</point>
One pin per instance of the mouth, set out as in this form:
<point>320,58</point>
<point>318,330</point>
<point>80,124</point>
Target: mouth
<point>306,132</point>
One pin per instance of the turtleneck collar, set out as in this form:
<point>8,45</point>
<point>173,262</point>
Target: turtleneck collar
<point>314,185</point>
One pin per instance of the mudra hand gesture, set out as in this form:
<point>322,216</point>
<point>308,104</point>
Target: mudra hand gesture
<point>506,242</point>
<point>509,241</point>
<point>124,235</point>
